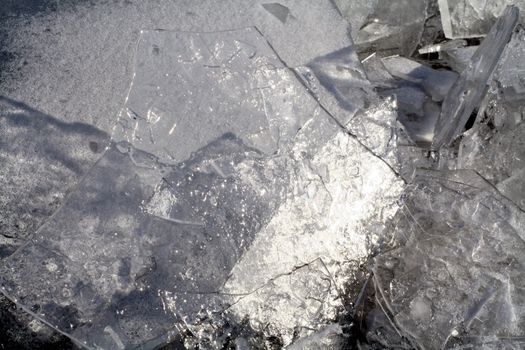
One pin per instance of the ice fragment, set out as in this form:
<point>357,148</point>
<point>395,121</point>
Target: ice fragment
<point>281,12</point>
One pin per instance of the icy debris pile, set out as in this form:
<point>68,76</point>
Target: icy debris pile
<point>458,280</point>
<point>471,18</point>
<point>452,278</point>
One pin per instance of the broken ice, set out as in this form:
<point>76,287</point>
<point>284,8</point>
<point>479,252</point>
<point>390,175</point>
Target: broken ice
<point>458,279</point>
<point>221,158</point>
<point>190,88</point>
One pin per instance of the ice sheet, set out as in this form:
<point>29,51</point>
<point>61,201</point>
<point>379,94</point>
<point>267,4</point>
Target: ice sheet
<point>294,275</point>
<point>190,88</point>
<point>83,51</point>
<point>112,272</point>
<point>163,228</point>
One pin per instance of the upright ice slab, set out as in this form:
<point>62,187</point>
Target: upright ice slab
<point>468,91</point>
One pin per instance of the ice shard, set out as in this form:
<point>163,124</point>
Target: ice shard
<point>459,58</point>
<point>458,279</point>
<point>417,89</point>
<point>436,83</point>
<point>469,89</point>
<point>443,46</point>
<point>471,18</point>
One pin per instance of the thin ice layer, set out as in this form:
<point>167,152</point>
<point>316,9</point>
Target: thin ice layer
<point>41,158</point>
<point>472,18</point>
<point>190,88</point>
<point>459,278</point>
<point>469,89</point>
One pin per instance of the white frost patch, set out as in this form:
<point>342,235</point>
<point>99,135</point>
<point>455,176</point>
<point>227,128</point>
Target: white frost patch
<point>161,203</point>
<point>290,277</point>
